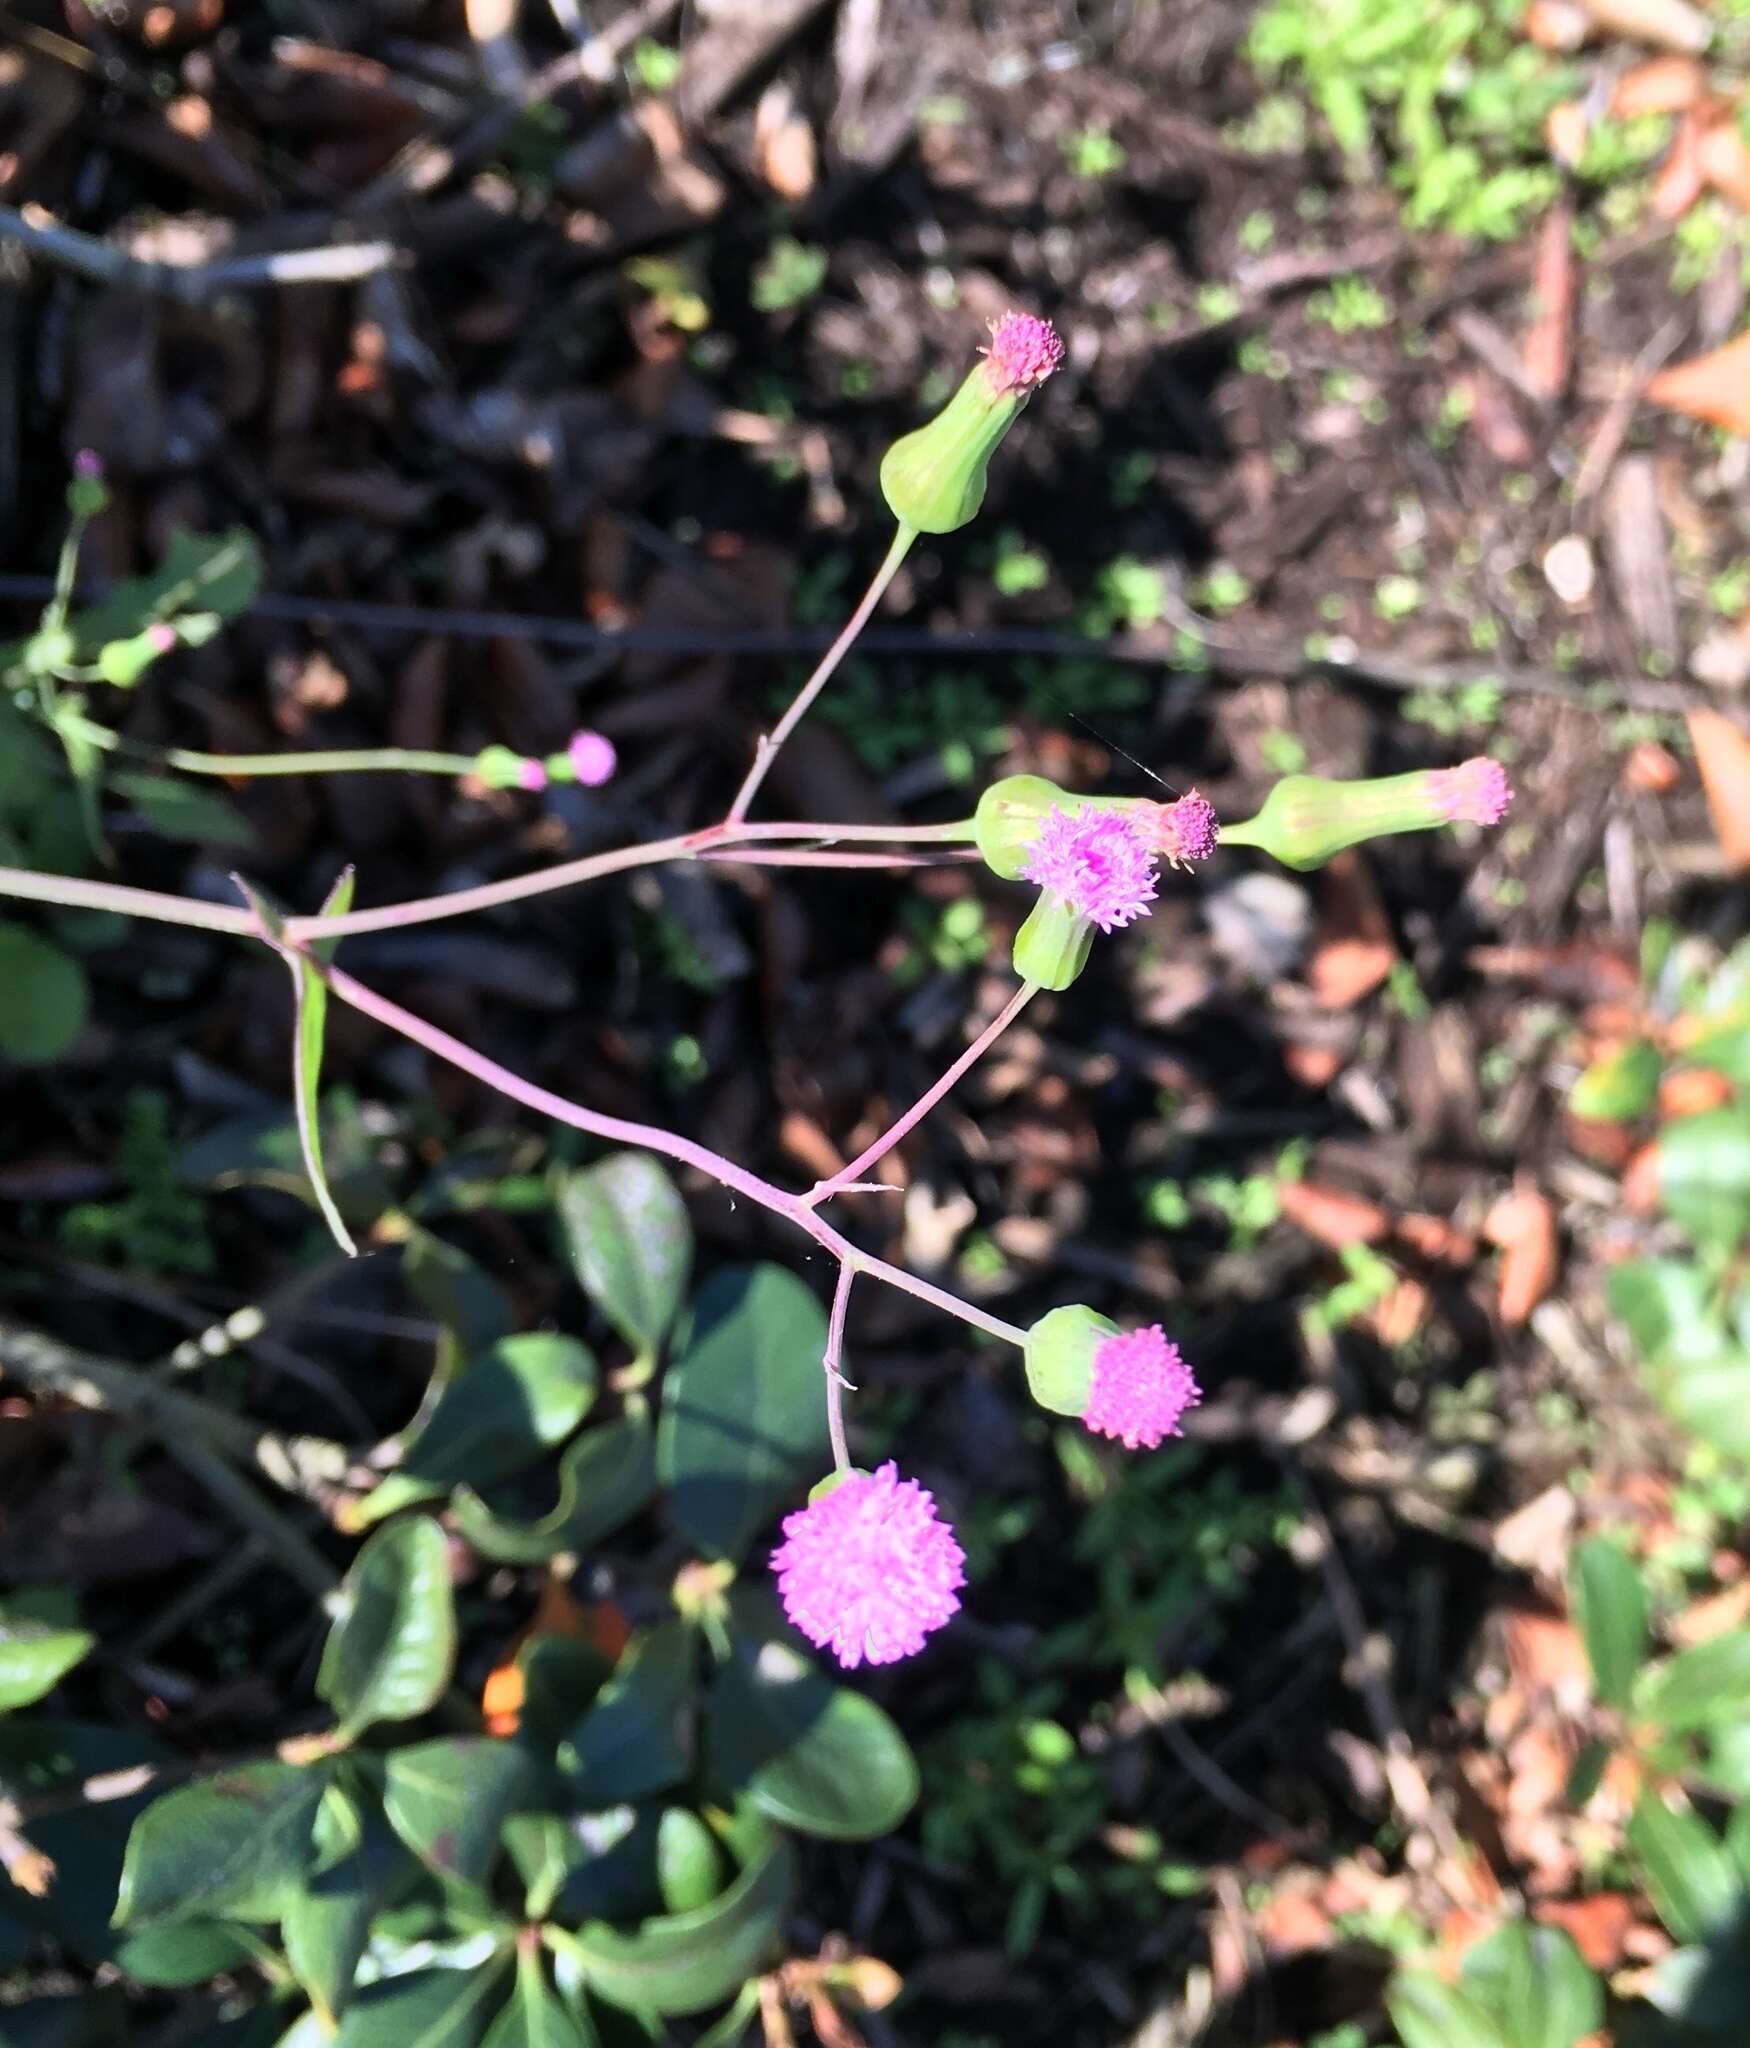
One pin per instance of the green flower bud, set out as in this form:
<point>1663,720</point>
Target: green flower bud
<point>499,767</point>
<point>1306,819</point>
<point>1008,818</point>
<point>51,649</point>
<point>124,662</point>
<point>933,479</point>
<point>1052,947</point>
<point>833,1480</point>
<point>1059,1355</point>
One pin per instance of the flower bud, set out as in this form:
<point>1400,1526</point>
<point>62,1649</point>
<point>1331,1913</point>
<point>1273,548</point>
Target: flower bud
<point>1306,819</point>
<point>1008,819</point>
<point>124,662</point>
<point>500,768</point>
<point>87,494</point>
<point>1052,946</point>
<point>1059,1355</point>
<point>933,478</point>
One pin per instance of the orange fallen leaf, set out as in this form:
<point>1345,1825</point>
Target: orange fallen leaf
<point>1312,1066</point>
<point>1292,1924</point>
<point>1693,1089</point>
<point>1565,129</point>
<point>1436,1239</point>
<point>1714,387</point>
<point>1640,1182</point>
<point>1702,1620</point>
<point>1556,24</point>
<point>1353,952</point>
<point>1605,1144</point>
<point>556,1614</point>
<point>1681,180</point>
<point>1650,769</point>
<point>1544,1650</point>
<point>1546,352</point>
<point>1332,1215</point>
<point>1662,85</point>
<point>1725,161</point>
<point>1523,1224</point>
<point>1666,24</point>
<point>1396,1319</point>
<point>1722,753</point>
<point>1599,1925</point>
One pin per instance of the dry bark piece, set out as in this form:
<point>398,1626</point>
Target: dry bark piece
<point>1722,754</point>
<point>1637,542</point>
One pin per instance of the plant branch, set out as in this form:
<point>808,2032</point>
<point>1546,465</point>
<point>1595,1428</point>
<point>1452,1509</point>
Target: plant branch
<point>833,1361</point>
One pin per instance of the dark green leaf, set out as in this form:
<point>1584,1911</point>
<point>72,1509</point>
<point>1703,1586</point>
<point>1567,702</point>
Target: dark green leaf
<point>1708,1682</point>
<point>1708,1989</point>
<point>328,1924</point>
<point>1536,1983</point>
<point>454,1291</point>
<point>586,1866</point>
<point>632,1742</point>
<point>689,1863</point>
<point>90,2019</point>
<point>1691,1880</point>
<point>1659,1299</point>
<point>1704,1175</point>
<point>235,1846</point>
<point>1619,1087</point>
<point>813,1755</point>
<point>448,1800</point>
<point>687,1962</point>
<point>1610,1605</point>
<point>605,1478</point>
<point>527,1394</point>
<point>310,1003</point>
<point>187,1954</point>
<point>731,2031</point>
<point>200,573</point>
<point>1725,1048</point>
<point>1587,1774</point>
<point>631,1244</point>
<point>428,2009</point>
<point>1430,2014</point>
<point>393,1644</point>
<point>44,997</point>
<point>534,2018</point>
<point>37,1651</point>
<point>176,807</point>
<point>744,1410</point>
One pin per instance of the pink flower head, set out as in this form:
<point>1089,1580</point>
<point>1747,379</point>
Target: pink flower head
<point>1185,830</point>
<point>869,1569</point>
<point>531,775</point>
<point>1476,792</point>
<point>1023,352</point>
<point>593,759</point>
<point>1098,862</point>
<point>161,637</point>
<point>88,464</point>
<point>1140,1388</point>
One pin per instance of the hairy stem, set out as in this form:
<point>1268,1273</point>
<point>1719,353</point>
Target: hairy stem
<point>767,750</point>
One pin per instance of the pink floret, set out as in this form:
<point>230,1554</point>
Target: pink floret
<point>1186,830</point>
<point>531,775</point>
<point>1098,862</point>
<point>1023,352</point>
<point>592,758</point>
<point>869,1569</point>
<point>1476,792</point>
<point>1140,1388</point>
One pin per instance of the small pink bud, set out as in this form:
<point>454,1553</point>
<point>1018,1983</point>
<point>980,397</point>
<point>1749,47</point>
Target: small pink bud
<point>1476,792</point>
<point>592,758</point>
<point>1185,830</point>
<point>1140,1388</point>
<point>531,775</point>
<point>161,638</point>
<point>1023,352</point>
<point>88,464</point>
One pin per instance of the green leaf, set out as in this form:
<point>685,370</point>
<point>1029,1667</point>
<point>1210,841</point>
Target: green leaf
<point>1660,1299</point>
<point>1691,1880</point>
<point>176,807</point>
<point>1610,1605</point>
<point>1725,1049</point>
<point>200,572</point>
<point>534,2018</point>
<point>1708,1398</point>
<point>427,2009</point>
<point>327,1925</point>
<point>586,1866</point>
<point>1704,1683</point>
<point>44,997</point>
<point>1587,1773</point>
<point>689,1863</point>
<point>36,1651</point>
<point>310,1004</point>
<point>1704,1175</point>
<point>631,1244</point>
<point>1430,2014</point>
<point>1537,1984</point>
<point>605,1478</point>
<point>1619,1087</point>
<point>527,1394</point>
<point>448,1800</point>
<point>687,1962</point>
<point>1708,1989</point>
<point>632,1740</point>
<point>454,1291</point>
<point>234,1846</point>
<point>744,1410</point>
<point>187,1953</point>
<point>810,1754</point>
<point>393,1644</point>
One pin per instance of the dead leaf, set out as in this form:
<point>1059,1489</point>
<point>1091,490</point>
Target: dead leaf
<point>1666,24</point>
<point>1396,1319</point>
<point>1722,753</point>
<point>1523,1224</point>
<point>1557,24</point>
<point>1725,159</point>
<point>1291,1923</point>
<point>1544,1651</point>
<point>1693,1089</point>
<point>1332,1215</point>
<point>1565,129</point>
<point>1605,1144</point>
<point>1650,769</point>
<point>1577,972</point>
<point>1599,1925</point>
<point>1702,1620</point>
<point>1714,387</point>
<point>1662,85</point>
<point>784,143</point>
<point>1311,1066</point>
<point>1546,352</point>
<point>1681,180</point>
<point>1535,1536</point>
<point>1435,1238</point>
<point>1353,950</point>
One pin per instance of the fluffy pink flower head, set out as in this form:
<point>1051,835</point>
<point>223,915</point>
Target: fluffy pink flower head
<point>1185,830</point>
<point>869,1569</point>
<point>1023,352</point>
<point>1140,1388</point>
<point>531,775</point>
<point>1476,792</point>
<point>1098,862</point>
<point>593,759</point>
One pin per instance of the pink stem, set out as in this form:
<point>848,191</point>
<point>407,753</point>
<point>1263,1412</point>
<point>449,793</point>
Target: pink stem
<point>773,857</point>
<point>834,1363</point>
<point>767,751</point>
<point>823,1190</point>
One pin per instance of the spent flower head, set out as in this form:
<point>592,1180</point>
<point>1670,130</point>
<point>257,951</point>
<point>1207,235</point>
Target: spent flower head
<point>1098,863</point>
<point>1023,352</point>
<point>1139,1388</point>
<point>1476,792</point>
<point>1185,830</point>
<point>868,1569</point>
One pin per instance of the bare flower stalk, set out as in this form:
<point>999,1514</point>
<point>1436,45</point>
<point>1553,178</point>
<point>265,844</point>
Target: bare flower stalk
<point>834,1362</point>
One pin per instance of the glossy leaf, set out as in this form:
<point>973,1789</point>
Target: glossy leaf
<point>744,1410</point>
<point>234,1846</point>
<point>448,1800</point>
<point>810,1754</point>
<point>1692,1881</point>
<point>1710,1681</point>
<point>454,1291</point>
<point>37,1650</point>
<point>586,1866</point>
<point>1704,1175</point>
<point>310,1005</point>
<point>1659,1299</point>
<point>44,997</point>
<point>186,1952</point>
<point>690,1869</point>
<point>526,1395</point>
<point>688,1962</point>
<point>632,1741</point>
<point>605,1477</point>
<point>1536,1983</point>
<point>535,2018</point>
<point>1611,1607</point>
<point>393,1644</point>
<point>1430,2014</point>
<point>1619,1087</point>
<point>199,573</point>
<point>426,2009</point>
<point>631,1244</point>
<point>328,1924</point>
